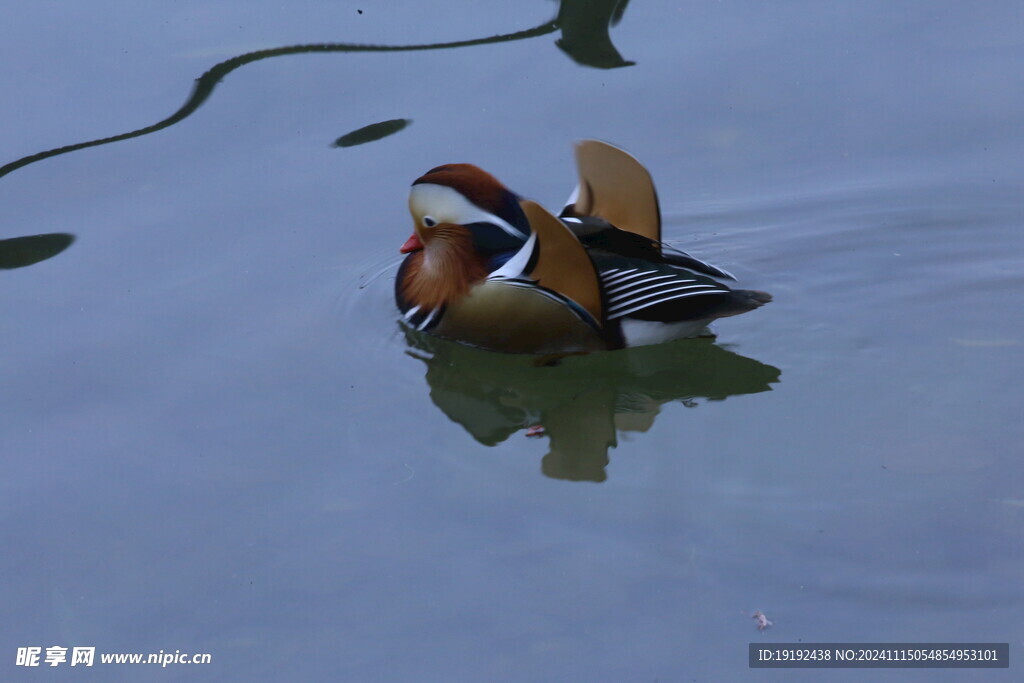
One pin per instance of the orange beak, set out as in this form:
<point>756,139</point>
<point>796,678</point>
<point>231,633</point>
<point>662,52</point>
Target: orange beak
<point>411,244</point>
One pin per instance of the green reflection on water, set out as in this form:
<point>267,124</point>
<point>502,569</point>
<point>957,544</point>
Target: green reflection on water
<point>582,402</point>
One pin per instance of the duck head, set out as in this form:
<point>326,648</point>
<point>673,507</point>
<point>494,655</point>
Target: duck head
<point>466,224</point>
<point>466,195</point>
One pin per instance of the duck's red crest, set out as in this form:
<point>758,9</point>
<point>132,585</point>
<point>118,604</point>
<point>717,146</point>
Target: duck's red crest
<point>472,182</point>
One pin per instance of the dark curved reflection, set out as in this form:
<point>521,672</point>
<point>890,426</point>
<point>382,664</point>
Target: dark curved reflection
<point>206,83</point>
<point>581,401</point>
<point>372,132</point>
<point>585,35</point>
<point>18,252</point>
<point>585,38</point>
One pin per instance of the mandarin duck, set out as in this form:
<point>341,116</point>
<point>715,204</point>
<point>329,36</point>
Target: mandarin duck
<point>491,269</point>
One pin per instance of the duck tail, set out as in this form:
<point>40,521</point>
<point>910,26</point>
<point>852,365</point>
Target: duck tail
<point>743,300</point>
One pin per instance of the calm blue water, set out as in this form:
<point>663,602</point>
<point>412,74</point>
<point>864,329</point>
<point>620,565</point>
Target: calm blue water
<point>216,439</point>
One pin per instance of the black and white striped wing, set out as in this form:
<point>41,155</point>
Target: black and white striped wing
<point>652,291</point>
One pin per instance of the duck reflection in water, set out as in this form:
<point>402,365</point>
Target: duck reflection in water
<point>582,402</point>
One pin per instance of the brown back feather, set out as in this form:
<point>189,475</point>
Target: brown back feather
<point>616,187</point>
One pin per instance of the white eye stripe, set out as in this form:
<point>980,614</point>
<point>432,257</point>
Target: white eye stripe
<point>446,205</point>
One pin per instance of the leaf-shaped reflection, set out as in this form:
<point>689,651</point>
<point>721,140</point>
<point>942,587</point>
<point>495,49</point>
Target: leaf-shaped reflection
<point>583,401</point>
<point>18,252</point>
<point>372,132</point>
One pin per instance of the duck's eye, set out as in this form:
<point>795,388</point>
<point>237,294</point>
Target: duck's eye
<point>429,222</point>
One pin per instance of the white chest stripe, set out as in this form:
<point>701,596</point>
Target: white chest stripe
<point>429,319</point>
<point>515,266</point>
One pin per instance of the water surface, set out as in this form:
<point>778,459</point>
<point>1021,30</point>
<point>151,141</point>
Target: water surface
<point>217,439</point>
